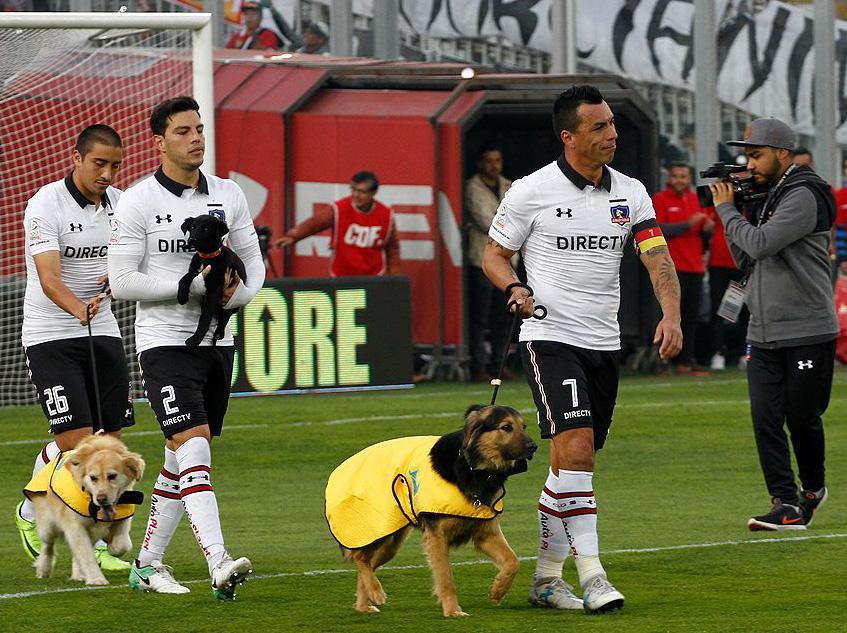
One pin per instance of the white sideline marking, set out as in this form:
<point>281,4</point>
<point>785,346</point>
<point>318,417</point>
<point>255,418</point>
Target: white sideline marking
<point>350,570</point>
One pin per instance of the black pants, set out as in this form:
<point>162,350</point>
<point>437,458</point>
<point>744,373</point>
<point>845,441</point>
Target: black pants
<point>691,285</point>
<point>790,386</point>
<point>727,338</point>
<point>486,311</point>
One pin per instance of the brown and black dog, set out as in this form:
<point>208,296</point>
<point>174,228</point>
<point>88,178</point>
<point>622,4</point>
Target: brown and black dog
<point>466,473</point>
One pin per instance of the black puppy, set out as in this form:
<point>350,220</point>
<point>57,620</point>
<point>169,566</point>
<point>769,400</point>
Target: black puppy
<point>206,233</point>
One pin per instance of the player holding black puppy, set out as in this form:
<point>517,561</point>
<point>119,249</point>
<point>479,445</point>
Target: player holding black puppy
<point>571,220</point>
<point>188,387</point>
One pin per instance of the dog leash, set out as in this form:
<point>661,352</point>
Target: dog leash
<point>107,291</point>
<point>539,312</point>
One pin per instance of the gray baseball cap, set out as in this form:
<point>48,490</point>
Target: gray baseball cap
<point>768,132</point>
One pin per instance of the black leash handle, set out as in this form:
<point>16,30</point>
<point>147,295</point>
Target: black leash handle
<point>539,312</point>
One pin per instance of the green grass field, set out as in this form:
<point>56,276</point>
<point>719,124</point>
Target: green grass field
<point>675,485</point>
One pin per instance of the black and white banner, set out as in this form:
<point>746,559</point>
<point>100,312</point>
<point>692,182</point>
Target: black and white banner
<point>765,61</point>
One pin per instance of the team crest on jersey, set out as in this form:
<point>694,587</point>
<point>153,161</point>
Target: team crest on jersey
<point>620,214</point>
<point>220,214</point>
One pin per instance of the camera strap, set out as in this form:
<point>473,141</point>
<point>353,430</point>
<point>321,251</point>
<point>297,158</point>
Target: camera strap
<point>766,211</point>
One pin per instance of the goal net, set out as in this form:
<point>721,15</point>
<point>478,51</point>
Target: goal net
<point>57,78</point>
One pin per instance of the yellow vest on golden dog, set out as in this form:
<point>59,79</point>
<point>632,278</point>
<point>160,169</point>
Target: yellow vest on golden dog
<point>60,480</point>
<point>387,486</point>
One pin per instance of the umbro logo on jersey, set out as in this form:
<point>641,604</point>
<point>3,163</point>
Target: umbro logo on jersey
<point>75,227</point>
<point>804,364</point>
<point>560,213</point>
<point>163,218</point>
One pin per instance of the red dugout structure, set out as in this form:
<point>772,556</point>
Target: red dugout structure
<point>293,129</point>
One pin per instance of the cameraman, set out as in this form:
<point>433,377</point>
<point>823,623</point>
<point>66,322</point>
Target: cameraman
<point>783,250</point>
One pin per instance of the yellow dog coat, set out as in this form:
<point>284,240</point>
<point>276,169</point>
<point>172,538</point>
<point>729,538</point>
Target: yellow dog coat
<point>387,486</point>
<point>60,480</point>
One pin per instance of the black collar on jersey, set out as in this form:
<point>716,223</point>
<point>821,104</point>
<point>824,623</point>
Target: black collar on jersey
<point>78,196</point>
<point>581,181</point>
<point>177,188</point>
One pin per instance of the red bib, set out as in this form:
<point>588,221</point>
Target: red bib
<point>358,241</point>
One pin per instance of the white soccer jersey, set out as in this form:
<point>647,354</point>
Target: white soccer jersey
<point>148,233</point>
<point>59,218</point>
<point>572,237</point>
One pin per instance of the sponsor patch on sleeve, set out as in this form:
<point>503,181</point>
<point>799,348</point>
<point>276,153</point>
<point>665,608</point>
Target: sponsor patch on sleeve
<point>114,231</point>
<point>34,230</point>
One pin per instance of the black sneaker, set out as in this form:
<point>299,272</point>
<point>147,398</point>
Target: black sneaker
<point>810,501</point>
<point>781,517</point>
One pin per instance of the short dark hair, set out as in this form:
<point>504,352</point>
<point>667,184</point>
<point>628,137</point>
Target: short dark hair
<point>366,176</point>
<point>564,109</point>
<point>165,110</point>
<point>802,150</point>
<point>490,147</point>
<point>678,164</point>
<point>99,133</point>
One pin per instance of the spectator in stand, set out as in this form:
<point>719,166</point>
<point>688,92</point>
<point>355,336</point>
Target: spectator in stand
<point>684,225</point>
<point>486,305</point>
<point>315,39</point>
<point>802,156</point>
<point>254,36</point>
<point>839,229</point>
<point>364,240</point>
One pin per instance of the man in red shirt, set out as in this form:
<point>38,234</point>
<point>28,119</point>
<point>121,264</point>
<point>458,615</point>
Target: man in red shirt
<point>727,339</point>
<point>683,224</point>
<point>253,36</point>
<point>364,240</point>
<point>839,228</point>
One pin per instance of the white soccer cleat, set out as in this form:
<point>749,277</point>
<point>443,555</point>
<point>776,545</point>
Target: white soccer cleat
<point>228,575</point>
<point>156,578</point>
<point>553,593</point>
<point>600,596</point>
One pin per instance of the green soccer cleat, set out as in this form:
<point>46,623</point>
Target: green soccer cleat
<point>29,533</point>
<point>155,578</point>
<point>228,575</point>
<point>107,562</point>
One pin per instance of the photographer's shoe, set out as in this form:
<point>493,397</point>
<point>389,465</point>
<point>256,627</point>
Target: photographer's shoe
<point>782,516</point>
<point>811,501</point>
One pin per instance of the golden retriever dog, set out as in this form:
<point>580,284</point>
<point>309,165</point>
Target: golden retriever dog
<point>101,471</point>
<point>451,487</point>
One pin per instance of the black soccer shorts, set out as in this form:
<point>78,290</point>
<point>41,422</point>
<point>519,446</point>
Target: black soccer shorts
<point>62,374</point>
<point>572,387</point>
<point>188,386</point>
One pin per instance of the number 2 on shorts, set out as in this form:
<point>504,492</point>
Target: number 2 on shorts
<point>170,397</point>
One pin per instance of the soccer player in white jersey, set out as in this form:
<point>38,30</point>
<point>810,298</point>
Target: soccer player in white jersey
<point>67,225</point>
<point>571,220</point>
<point>188,387</point>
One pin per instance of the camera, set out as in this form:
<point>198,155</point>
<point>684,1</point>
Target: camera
<point>263,233</point>
<point>745,190</point>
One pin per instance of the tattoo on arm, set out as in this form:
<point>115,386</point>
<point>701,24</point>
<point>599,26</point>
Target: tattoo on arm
<point>663,275</point>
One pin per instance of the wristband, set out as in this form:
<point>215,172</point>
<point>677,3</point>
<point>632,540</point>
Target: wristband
<point>517,284</point>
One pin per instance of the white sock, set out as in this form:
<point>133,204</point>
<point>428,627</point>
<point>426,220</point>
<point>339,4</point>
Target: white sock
<point>198,497</point>
<point>578,509</point>
<point>44,457</point>
<point>166,510</point>
<point>553,542</point>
